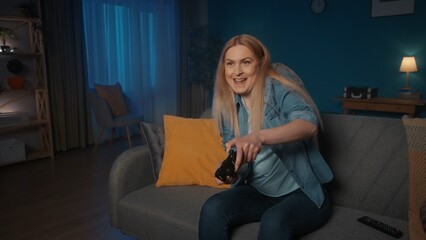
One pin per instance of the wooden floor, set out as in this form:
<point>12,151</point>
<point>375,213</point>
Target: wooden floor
<point>61,199</point>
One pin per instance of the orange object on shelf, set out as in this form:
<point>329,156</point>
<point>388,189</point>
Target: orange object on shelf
<point>16,82</point>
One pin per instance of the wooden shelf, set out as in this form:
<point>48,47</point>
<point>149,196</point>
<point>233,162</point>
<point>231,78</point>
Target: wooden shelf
<point>37,155</point>
<point>21,54</point>
<point>40,115</point>
<point>18,19</point>
<point>14,128</point>
<point>394,105</point>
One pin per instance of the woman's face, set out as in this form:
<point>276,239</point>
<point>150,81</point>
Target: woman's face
<point>241,68</point>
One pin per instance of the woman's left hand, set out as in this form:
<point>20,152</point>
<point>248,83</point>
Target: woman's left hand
<point>247,148</point>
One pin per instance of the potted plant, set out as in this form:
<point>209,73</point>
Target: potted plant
<point>15,67</point>
<point>204,52</point>
<point>5,33</point>
<point>27,9</point>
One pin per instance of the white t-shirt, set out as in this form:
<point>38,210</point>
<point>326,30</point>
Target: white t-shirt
<point>269,175</point>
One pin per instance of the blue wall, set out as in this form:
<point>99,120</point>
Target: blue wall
<point>344,46</point>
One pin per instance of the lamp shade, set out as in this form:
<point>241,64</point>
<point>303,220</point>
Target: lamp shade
<point>408,64</point>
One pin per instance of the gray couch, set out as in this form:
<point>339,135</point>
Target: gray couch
<point>368,156</point>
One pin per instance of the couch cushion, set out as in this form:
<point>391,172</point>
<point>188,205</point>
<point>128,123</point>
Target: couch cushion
<point>343,225</point>
<point>193,150</point>
<point>163,213</point>
<point>154,137</point>
<point>368,157</point>
<point>173,213</point>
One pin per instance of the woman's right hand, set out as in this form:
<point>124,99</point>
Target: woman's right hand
<point>229,179</point>
<point>247,148</point>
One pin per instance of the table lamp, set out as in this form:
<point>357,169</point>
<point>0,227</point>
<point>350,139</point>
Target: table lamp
<point>408,65</point>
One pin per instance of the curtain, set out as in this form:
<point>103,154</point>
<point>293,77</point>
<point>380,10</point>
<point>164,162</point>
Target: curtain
<point>63,40</point>
<point>193,13</point>
<point>135,43</point>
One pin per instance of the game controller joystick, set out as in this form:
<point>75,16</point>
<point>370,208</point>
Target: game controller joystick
<point>227,169</point>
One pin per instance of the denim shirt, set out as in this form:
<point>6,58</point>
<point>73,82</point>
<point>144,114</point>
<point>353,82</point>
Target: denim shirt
<point>302,158</point>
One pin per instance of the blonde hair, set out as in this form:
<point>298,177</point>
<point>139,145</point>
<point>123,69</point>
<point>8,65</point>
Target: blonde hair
<point>224,109</point>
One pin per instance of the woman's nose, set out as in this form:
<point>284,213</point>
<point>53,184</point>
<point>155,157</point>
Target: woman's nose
<point>238,69</point>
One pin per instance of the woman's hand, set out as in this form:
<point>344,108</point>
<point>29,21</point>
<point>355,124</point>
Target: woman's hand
<point>250,145</point>
<point>247,148</point>
<point>229,179</point>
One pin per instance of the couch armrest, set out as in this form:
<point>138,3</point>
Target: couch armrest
<point>130,171</point>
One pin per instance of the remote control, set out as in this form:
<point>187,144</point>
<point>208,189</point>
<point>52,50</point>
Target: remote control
<point>383,227</point>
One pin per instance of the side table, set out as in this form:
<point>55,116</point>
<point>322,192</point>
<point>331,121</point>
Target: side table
<point>394,105</point>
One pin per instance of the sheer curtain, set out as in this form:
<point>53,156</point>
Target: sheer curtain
<point>135,43</point>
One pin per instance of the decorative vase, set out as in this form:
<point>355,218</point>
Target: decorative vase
<point>16,82</point>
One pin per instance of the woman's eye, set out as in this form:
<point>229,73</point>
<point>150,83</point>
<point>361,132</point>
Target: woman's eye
<point>246,62</point>
<point>229,63</point>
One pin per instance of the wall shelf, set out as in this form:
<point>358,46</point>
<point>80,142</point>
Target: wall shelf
<point>20,127</point>
<point>35,98</point>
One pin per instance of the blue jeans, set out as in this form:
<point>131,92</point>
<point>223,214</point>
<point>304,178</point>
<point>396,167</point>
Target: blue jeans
<point>287,217</point>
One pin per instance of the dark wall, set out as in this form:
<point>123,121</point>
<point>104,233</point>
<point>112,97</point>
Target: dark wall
<point>344,46</point>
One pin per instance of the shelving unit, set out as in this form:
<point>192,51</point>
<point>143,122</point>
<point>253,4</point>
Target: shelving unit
<point>32,50</point>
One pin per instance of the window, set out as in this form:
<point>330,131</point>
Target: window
<point>135,42</point>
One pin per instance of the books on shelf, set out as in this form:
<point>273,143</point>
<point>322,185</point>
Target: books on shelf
<point>9,119</point>
<point>409,94</point>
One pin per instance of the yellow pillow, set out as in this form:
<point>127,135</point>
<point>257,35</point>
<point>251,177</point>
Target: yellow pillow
<point>193,150</point>
<point>114,97</point>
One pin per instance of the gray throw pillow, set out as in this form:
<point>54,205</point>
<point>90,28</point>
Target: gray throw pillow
<point>154,137</point>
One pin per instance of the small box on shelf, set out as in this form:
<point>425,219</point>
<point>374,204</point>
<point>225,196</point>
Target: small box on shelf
<point>360,92</point>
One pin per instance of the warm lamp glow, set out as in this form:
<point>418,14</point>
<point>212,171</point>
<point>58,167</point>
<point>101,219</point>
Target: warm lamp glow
<point>408,65</point>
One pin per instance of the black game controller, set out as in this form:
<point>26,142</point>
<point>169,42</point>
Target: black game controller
<point>227,169</point>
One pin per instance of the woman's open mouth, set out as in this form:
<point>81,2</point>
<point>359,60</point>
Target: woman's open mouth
<point>238,80</point>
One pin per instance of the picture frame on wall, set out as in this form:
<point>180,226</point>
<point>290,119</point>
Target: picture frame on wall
<point>381,8</point>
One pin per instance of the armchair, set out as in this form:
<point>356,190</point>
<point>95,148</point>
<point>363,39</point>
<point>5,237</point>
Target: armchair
<point>105,118</point>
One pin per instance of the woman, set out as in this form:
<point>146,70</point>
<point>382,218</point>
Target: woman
<point>270,121</point>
